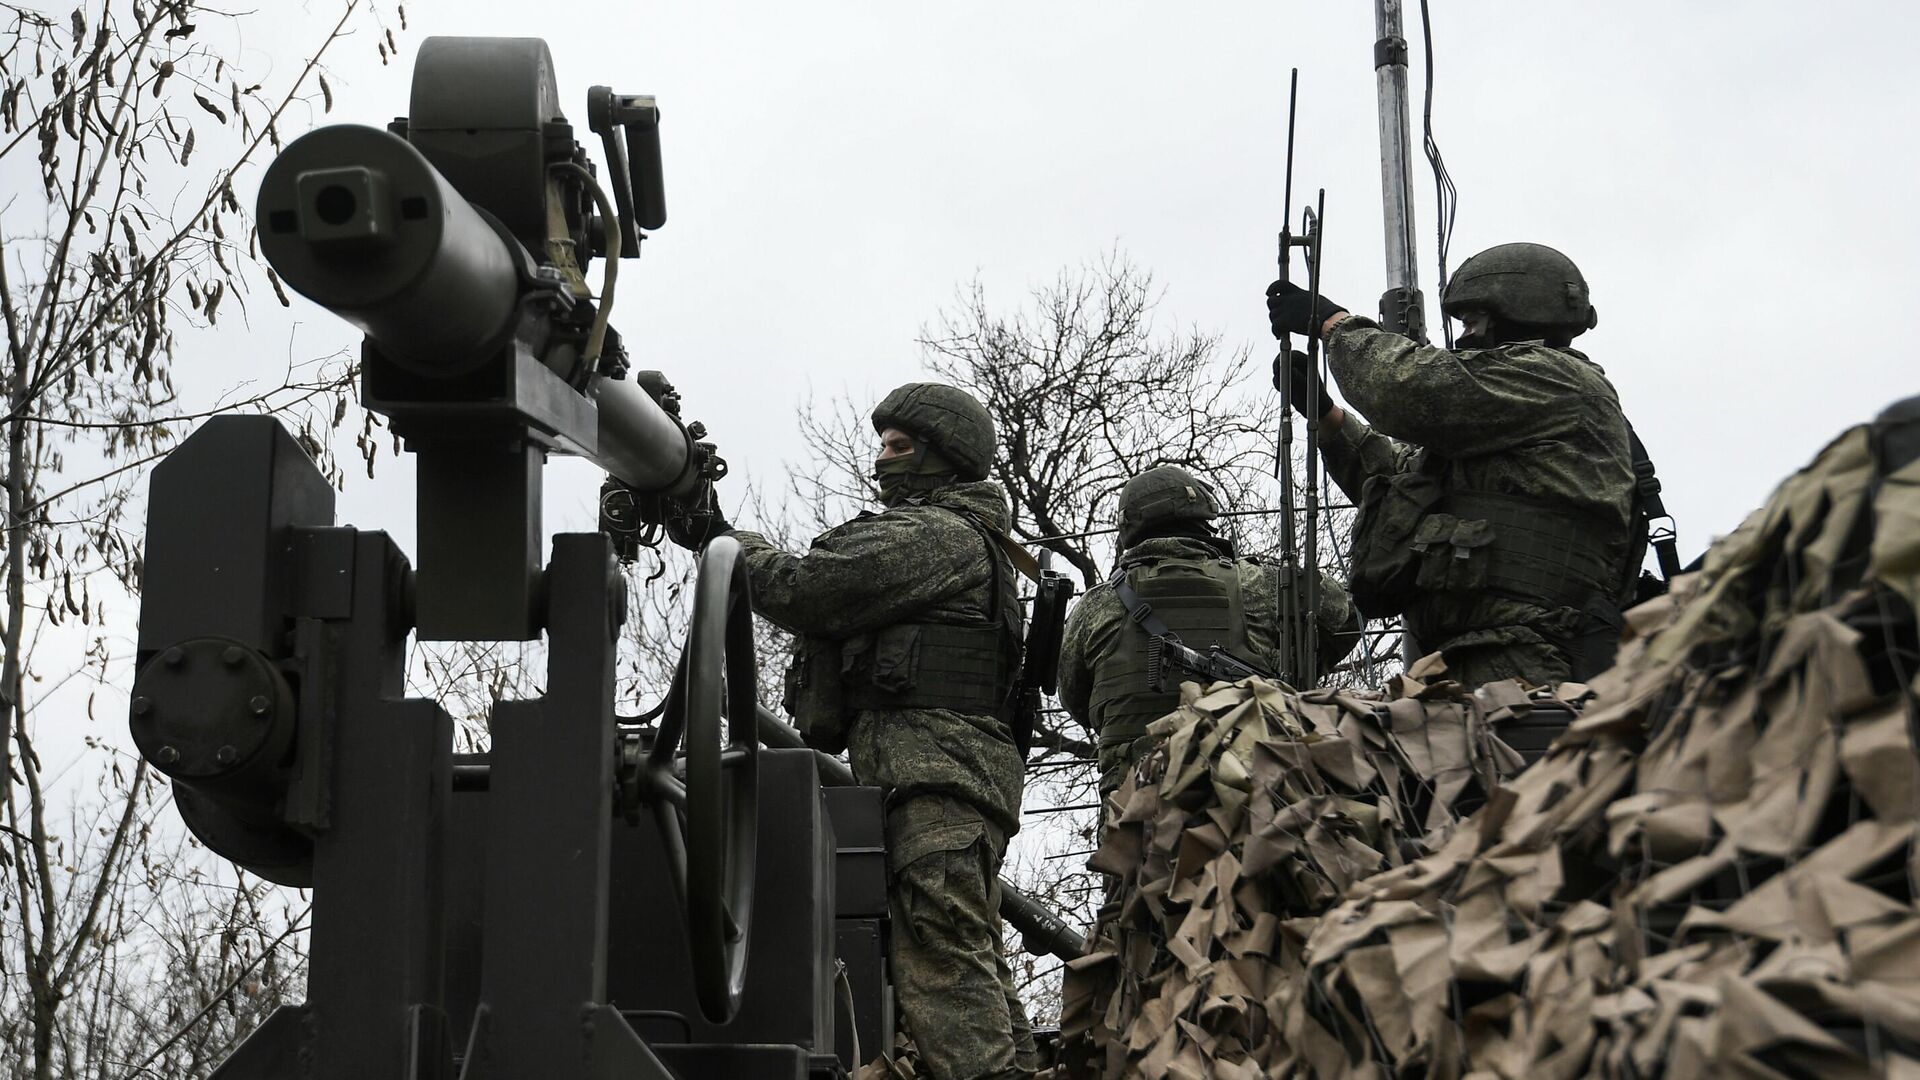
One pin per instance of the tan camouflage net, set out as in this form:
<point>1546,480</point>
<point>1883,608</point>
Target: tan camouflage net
<point>1260,809</point>
<point>1712,873</point>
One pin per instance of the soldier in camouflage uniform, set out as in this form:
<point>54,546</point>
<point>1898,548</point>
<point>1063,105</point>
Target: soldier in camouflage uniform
<point>1496,483</point>
<point>1172,559</point>
<point>908,628</point>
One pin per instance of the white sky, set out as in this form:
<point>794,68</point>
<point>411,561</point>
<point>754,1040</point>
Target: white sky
<point>1735,180</point>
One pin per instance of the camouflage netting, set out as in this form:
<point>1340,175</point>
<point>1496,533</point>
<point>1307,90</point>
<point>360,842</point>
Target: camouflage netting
<point>1259,809</point>
<point>1712,872</point>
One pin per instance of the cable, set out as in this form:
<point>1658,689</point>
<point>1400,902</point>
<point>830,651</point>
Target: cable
<point>1446,196</point>
<point>1224,513</point>
<point>610,268</point>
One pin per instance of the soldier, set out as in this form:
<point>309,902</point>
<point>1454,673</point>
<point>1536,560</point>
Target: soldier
<point>1496,487</point>
<point>1172,560</point>
<point>908,627</point>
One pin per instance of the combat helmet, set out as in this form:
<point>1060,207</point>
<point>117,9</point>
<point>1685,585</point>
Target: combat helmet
<point>951,420</point>
<point>1530,284</point>
<point>1162,494</point>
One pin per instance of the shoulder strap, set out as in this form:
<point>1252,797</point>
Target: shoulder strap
<point>1137,609</point>
<point>1649,507</point>
<point>1016,552</point>
<point>993,549</point>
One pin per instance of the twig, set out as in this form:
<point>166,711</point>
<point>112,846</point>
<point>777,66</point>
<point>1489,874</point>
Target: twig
<point>216,999</point>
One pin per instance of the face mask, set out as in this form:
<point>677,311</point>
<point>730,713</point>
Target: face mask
<point>911,474</point>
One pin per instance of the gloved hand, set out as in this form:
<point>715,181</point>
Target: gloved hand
<point>692,530</point>
<point>1292,310</point>
<point>1310,397</point>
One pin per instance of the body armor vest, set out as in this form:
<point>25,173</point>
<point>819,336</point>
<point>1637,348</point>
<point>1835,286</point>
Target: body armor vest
<point>967,666</point>
<point>1418,541</point>
<point>1200,602</point>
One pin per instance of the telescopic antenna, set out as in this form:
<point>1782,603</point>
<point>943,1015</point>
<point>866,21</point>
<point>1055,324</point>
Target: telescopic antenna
<point>1308,626</point>
<point>1283,379</point>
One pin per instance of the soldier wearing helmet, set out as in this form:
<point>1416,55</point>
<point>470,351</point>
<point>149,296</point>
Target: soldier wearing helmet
<point>907,628</point>
<point>1173,561</point>
<point>1495,483</point>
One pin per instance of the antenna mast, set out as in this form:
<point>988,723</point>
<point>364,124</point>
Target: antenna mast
<point>1402,308</point>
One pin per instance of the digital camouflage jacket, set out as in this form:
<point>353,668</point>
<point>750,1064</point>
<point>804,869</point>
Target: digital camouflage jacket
<point>1519,420</point>
<point>920,562</point>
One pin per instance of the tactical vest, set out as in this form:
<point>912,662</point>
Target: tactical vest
<point>966,666</point>
<point>1416,539</point>
<point>1200,602</point>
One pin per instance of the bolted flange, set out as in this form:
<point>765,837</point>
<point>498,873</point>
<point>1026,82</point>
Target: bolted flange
<point>214,713</point>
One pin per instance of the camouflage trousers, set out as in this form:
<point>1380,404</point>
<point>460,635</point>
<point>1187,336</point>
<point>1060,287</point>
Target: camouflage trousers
<point>952,983</point>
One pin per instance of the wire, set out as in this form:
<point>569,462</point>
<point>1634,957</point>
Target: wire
<point>1446,196</point>
<point>610,265</point>
<point>1224,513</point>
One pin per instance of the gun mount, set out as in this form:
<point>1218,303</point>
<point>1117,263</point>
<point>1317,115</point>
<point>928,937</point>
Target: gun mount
<point>580,900</point>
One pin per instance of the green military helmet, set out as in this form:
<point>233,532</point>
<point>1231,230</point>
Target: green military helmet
<point>1530,284</point>
<point>1161,494</point>
<point>951,420</point>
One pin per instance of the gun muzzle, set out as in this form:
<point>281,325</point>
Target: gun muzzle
<point>360,222</point>
<point>356,220</point>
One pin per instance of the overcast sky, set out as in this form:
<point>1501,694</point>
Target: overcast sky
<point>1735,180</point>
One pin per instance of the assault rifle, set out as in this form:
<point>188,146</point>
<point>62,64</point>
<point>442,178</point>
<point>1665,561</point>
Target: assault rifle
<point>1214,665</point>
<point>1164,646</point>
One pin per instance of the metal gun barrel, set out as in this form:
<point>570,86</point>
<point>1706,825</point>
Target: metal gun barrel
<point>639,443</point>
<point>357,220</point>
<point>360,222</point>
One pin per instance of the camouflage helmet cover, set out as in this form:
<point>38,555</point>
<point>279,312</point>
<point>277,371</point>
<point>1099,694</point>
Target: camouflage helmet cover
<point>948,418</point>
<point>1522,283</point>
<point>1163,493</point>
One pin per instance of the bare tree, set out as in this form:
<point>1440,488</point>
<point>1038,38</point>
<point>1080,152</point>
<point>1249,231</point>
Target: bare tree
<point>116,238</point>
<point>1087,391</point>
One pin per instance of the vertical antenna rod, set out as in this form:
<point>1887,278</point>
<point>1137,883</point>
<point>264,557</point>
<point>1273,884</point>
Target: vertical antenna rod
<point>1402,308</point>
<point>1306,629</point>
<point>1283,461</point>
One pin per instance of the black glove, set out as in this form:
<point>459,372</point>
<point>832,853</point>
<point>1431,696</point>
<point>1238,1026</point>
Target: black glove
<point>692,530</point>
<point>1310,397</point>
<point>1291,310</point>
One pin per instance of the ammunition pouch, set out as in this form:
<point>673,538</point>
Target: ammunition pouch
<point>1515,548</point>
<point>930,666</point>
<point>1386,568</point>
<point>967,667</point>
<point>814,694</point>
<point>904,666</point>
<point>1414,538</point>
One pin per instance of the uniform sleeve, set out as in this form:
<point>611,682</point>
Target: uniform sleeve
<point>867,574</point>
<point>1353,452</point>
<point>1460,404</point>
<point>1079,646</point>
<point>1339,623</point>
